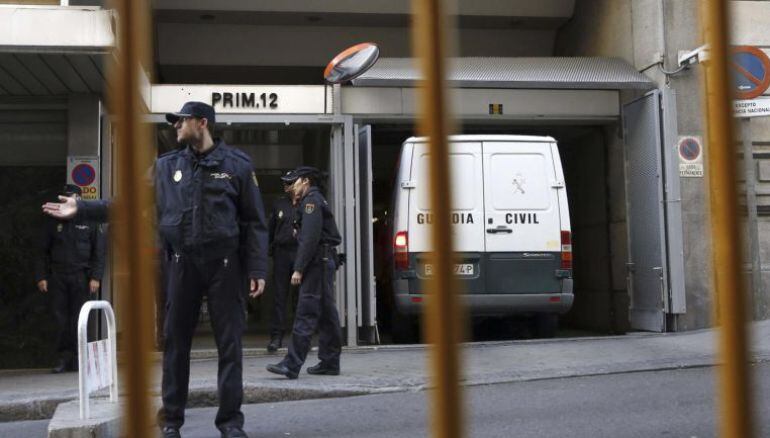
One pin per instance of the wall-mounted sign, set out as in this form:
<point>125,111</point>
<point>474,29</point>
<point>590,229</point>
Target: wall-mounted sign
<point>750,69</point>
<point>690,150</point>
<point>752,107</point>
<point>244,99</point>
<point>84,172</point>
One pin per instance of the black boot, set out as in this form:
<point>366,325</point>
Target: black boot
<point>276,342</point>
<point>324,369</point>
<point>170,432</point>
<point>282,369</point>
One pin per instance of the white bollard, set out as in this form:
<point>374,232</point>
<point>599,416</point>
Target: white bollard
<point>82,352</point>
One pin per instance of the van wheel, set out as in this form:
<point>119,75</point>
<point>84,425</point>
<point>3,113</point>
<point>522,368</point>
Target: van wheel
<point>405,328</point>
<point>545,325</point>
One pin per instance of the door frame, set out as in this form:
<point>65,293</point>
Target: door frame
<point>341,196</point>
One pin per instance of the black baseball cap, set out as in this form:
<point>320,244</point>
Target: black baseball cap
<point>288,178</point>
<point>193,109</point>
<point>301,172</point>
<point>72,189</point>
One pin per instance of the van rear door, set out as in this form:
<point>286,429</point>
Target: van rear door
<point>467,215</point>
<point>522,229</point>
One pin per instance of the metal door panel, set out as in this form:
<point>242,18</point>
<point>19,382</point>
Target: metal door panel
<point>368,299</point>
<point>673,206</point>
<point>520,198</point>
<point>467,198</point>
<point>647,269</point>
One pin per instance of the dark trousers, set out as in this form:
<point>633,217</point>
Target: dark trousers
<point>69,291</point>
<point>316,309</point>
<point>221,282</point>
<point>283,267</point>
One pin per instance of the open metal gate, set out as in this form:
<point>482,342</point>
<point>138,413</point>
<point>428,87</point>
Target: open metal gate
<point>655,268</point>
<point>367,304</point>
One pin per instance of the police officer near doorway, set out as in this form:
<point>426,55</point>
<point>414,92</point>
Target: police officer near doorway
<point>313,272</point>
<point>69,267</point>
<point>207,195</point>
<point>283,248</point>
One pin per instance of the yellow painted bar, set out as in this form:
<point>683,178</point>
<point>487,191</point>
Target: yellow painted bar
<point>734,397</point>
<point>443,321</point>
<point>132,211</point>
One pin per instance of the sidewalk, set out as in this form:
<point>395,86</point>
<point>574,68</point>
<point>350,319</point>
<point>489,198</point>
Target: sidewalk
<point>26,395</point>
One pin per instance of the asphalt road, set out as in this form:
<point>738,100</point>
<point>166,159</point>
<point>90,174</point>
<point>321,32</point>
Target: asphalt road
<point>651,404</point>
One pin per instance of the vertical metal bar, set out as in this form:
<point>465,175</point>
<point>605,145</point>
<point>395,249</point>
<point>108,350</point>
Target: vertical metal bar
<point>749,166</point>
<point>338,205</point>
<point>357,213</point>
<point>112,335</point>
<point>83,393</point>
<point>443,320</point>
<point>133,209</point>
<point>351,293</point>
<point>734,396</point>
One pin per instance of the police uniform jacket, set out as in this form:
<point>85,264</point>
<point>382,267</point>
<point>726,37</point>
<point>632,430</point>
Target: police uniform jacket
<point>317,229</point>
<point>69,247</point>
<point>95,210</point>
<point>281,224</point>
<point>208,204</point>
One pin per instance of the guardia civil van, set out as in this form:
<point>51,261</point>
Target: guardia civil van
<point>510,223</point>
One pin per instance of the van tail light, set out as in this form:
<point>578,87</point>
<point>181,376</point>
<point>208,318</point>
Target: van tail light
<point>566,250</point>
<point>401,250</point>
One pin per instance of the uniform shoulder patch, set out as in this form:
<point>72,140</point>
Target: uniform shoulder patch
<point>309,208</point>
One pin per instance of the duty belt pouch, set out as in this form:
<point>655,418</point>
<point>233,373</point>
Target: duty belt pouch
<point>327,252</point>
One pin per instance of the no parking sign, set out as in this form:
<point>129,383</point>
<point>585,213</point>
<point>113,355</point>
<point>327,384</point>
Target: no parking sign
<point>84,172</point>
<point>690,156</point>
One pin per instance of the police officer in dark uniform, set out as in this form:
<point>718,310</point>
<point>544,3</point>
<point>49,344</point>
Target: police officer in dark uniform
<point>211,219</point>
<point>69,266</point>
<point>283,248</point>
<point>314,274</point>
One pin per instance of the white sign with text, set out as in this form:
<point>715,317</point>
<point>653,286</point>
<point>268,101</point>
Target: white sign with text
<point>758,107</point>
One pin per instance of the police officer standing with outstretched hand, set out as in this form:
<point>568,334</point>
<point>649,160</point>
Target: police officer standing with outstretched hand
<point>314,274</point>
<point>207,195</point>
<point>69,267</point>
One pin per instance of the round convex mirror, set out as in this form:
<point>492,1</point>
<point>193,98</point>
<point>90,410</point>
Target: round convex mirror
<point>351,63</point>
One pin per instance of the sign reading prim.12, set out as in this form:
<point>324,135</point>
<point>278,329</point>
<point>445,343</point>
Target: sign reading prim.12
<point>244,99</point>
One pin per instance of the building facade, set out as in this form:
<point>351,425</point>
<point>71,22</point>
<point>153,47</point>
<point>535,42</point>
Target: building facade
<point>597,75</point>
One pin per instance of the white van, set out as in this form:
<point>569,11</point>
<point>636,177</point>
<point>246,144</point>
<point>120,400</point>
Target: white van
<point>510,223</point>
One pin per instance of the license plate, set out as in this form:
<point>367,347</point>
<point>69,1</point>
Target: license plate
<point>463,270</point>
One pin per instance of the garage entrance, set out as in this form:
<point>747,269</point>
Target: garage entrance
<point>357,132</point>
<point>575,100</point>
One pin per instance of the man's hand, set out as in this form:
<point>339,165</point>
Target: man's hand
<point>42,285</point>
<point>93,286</point>
<point>66,209</point>
<point>296,278</point>
<point>257,287</point>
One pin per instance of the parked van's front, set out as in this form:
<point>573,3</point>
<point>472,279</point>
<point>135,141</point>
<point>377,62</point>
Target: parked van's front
<point>510,224</point>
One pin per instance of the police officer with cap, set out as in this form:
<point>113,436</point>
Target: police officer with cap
<point>211,218</point>
<point>313,272</point>
<point>69,267</point>
<point>283,248</point>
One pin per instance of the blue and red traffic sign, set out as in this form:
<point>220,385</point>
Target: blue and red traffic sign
<point>83,174</point>
<point>750,68</point>
<point>689,149</point>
